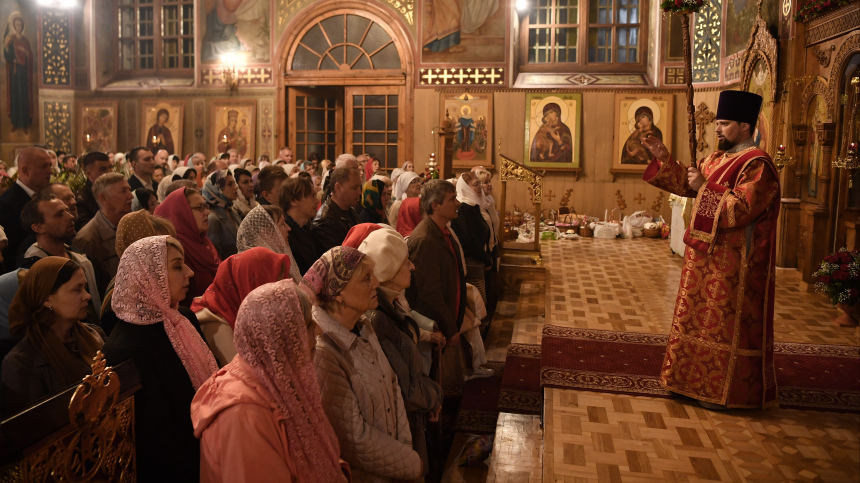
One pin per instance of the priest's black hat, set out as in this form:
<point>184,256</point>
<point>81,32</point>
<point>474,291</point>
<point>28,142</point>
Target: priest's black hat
<point>740,106</point>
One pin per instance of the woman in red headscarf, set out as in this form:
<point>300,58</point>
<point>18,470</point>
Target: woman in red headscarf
<point>409,216</point>
<point>236,278</point>
<point>189,213</point>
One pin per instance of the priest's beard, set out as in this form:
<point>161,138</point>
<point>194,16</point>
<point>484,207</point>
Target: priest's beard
<point>724,144</point>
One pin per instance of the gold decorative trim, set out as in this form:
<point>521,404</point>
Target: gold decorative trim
<point>462,76</point>
<point>762,45</point>
<point>98,445</point>
<point>511,169</point>
<point>850,47</point>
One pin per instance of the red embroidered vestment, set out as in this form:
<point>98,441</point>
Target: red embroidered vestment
<point>721,343</point>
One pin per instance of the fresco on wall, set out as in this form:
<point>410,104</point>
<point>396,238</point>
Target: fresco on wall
<point>19,105</point>
<point>97,124</point>
<point>233,127</point>
<point>816,115</point>
<point>163,121</point>
<point>235,27</point>
<point>760,84</point>
<point>470,116</point>
<point>740,17</point>
<point>456,31</point>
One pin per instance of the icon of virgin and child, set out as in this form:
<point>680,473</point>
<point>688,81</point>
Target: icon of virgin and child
<point>633,151</point>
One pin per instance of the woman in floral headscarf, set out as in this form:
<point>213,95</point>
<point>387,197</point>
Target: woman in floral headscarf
<point>260,418</point>
<point>220,191</point>
<point>369,417</point>
<point>169,352</point>
<point>265,226</point>
<point>237,277</point>
<point>374,199</point>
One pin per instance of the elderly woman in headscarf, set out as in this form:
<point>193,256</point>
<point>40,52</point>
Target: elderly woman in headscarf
<point>220,191</point>
<point>57,349</point>
<point>179,173</point>
<point>374,196</point>
<point>399,334</point>
<point>188,211</point>
<point>237,276</point>
<point>407,185</point>
<point>266,226</point>
<point>470,227</point>
<point>291,169</point>
<point>261,417</point>
<point>360,394</point>
<point>144,199</point>
<point>131,228</point>
<point>169,352</point>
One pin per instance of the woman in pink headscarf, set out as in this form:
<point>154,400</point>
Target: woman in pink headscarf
<point>237,277</point>
<point>260,418</point>
<point>188,211</point>
<point>169,352</point>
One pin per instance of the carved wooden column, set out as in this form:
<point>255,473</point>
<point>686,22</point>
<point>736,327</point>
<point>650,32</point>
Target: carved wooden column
<point>825,133</point>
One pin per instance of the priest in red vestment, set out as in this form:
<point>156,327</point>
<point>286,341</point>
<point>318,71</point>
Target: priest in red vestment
<point>720,348</point>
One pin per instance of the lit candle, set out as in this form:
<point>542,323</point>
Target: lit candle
<point>781,148</point>
<point>852,146</point>
<point>154,140</point>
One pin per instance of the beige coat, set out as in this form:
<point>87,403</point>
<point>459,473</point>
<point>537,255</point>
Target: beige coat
<point>219,335</point>
<point>362,399</point>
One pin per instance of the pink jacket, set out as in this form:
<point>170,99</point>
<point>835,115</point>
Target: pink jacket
<point>240,429</point>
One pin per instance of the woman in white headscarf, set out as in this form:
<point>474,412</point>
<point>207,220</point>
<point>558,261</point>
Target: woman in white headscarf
<point>291,169</point>
<point>408,185</point>
<point>182,172</point>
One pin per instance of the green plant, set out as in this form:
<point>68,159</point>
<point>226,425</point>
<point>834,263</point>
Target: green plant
<point>838,277</point>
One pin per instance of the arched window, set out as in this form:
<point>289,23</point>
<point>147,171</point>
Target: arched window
<point>346,42</point>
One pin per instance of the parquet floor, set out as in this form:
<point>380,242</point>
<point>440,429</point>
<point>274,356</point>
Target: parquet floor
<point>631,285</point>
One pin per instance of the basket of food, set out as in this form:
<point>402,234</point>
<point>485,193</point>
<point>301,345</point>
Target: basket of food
<point>585,231</point>
<point>651,230</point>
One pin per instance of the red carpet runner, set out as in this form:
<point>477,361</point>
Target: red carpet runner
<point>809,376</point>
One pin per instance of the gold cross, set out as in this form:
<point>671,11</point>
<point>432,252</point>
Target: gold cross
<point>639,198</point>
<point>675,75</point>
<point>461,76</point>
<point>492,75</point>
<point>687,280</point>
<point>445,76</point>
<point>428,76</point>
<point>478,76</point>
<point>722,260</point>
<point>549,195</point>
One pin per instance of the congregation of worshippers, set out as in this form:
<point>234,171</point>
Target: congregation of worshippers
<point>288,321</point>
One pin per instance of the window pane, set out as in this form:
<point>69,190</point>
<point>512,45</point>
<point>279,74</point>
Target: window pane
<point>305,59</point>
<point>147,55</point>
<point>540,14</point>
<point>170,20</point>
<point>374,137</point>
<point>316,102</point>
<point>374,119</point>
<point>375,100</point>
<point>126,54</point>
<point>539,45</point>
<point>387,58</point>
<point>567,12</point>
<point>355,28</point>
<point>145,17</point>
<point>170,53</point>
<point>187,53</point>
<point>330,120</point>
<point>334,29</point>
<point>358,119</point>
<point>316,120</point>
<point>315,40</point>
<point>126,22</point>
<point>300,117</point>
<point>600,45</point>
<point>188,20</point>
<point>391,161</point>
<point>600,11</point>
<point>392,119</point>
<point>565,44</point>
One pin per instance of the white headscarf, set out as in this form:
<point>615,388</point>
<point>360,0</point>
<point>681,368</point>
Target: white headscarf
<point>162,186</point>
<point>402,184</point>
<point>288,168</point>
<point>396,173</point>
<point>465,194</point>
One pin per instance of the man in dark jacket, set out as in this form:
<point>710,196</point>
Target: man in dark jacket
<point>438,289</point>
<point>95,164</point>
<point>143,163</point>
<point>34,174</point>
<point>299,202</point>
<point>336,216</point>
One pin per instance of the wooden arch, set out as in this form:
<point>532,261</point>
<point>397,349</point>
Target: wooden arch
<point>386,18</point>
<point>815,88</point>
<point>850,47</point>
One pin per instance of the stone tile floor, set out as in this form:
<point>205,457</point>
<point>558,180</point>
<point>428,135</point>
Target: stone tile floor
<point>631,285</point>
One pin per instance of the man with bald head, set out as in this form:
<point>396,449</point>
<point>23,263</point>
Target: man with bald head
<point>34,174</point>
<point>161,157</point>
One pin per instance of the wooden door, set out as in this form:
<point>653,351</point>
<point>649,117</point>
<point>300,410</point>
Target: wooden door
<point>376,124</point>
<point>315,122</point>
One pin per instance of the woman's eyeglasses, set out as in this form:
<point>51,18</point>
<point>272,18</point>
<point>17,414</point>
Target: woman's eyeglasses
<point>202,208</point>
